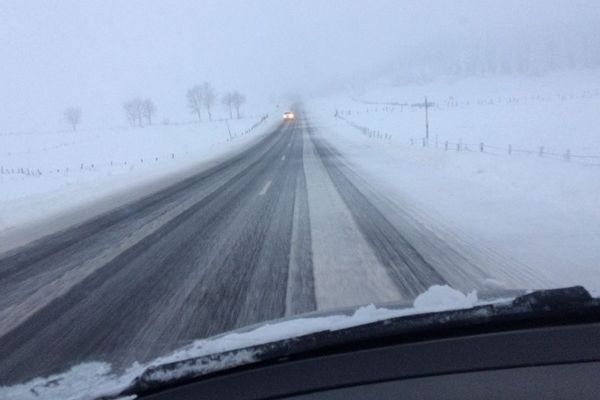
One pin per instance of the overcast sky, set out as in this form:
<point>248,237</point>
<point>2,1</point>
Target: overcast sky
<point>95,54</point>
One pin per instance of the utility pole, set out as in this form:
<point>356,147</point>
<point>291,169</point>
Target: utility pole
<point>426,120</point>
<point>426,104</point>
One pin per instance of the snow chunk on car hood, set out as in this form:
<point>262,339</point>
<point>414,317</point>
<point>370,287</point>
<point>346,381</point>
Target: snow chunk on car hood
<point>441,298</point>
<point>92,380</point>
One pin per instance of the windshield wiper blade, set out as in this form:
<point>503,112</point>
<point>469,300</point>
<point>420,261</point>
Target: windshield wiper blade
<point>540,308</point>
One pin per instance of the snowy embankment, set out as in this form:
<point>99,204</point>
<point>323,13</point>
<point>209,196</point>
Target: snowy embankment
<point>96,379</point>
<point>44,175</point>
<point>540,209</point>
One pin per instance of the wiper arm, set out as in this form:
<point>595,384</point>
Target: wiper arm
<point>536,309</point>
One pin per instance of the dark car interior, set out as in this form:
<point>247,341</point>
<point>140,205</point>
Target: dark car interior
<point>544,345</point>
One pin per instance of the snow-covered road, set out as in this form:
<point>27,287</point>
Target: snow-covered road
<point>285,227</point>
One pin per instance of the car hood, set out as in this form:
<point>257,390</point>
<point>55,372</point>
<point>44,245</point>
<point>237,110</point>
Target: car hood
<point>438,307</point>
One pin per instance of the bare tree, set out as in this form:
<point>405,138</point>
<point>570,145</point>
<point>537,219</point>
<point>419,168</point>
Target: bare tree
<point>148,110</point>
<point>195,100</point>
<point>209,97</point>
<point>130,112</point>
<point>73,117</point>
<point>134,111</point>
<point>228,103</point>
<point>238,100</point>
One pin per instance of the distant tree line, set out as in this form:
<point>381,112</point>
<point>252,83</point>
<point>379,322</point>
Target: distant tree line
<point>505,52</point>
<point>200,100</point>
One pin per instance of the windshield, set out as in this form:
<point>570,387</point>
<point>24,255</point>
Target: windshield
<point>175,170</point>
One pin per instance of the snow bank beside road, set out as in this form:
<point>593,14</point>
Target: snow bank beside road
<point>542,212</point>
<point>47,174</point>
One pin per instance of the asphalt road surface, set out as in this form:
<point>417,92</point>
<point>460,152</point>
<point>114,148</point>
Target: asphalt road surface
<point>286,227</point>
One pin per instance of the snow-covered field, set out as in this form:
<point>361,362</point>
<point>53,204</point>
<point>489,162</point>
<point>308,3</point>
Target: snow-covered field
<point>543,211</point>
<point>46,174</point>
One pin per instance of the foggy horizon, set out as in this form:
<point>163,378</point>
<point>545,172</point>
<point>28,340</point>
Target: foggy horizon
<point>96,55</point>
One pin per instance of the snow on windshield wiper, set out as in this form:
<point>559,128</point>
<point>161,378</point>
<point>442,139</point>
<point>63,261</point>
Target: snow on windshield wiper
<point>530,310</point>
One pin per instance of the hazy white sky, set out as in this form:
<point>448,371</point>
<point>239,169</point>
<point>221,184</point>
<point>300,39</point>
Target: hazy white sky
<point>95,54</point>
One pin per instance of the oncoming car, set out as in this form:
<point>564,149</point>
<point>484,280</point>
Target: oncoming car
<point>288,116</point>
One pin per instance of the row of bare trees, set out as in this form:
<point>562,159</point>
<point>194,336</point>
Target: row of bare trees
<point>200,98</point>
<point>139,111</point>
<point>233,100</point>
<point>203,97</point>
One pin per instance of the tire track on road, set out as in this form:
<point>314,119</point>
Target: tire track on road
<point>115,313</point>
<point>405,265</point>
